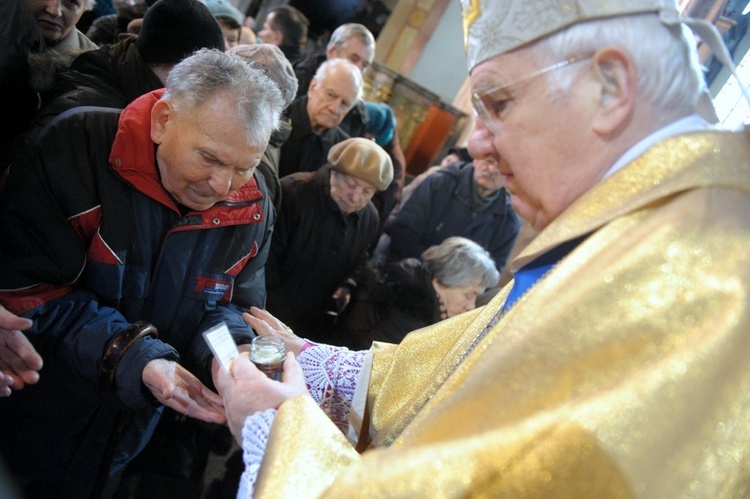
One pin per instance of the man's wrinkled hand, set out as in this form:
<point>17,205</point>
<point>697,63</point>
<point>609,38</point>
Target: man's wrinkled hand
<point>247,390</point>
<point>19,360</point>
<point>176,387</point>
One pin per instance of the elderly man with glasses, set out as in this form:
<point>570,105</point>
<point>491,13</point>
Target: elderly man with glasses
<point>616,363</point>
<point>316,117</point>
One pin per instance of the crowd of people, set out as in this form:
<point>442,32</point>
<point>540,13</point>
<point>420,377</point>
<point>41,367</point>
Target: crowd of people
<point>180,172</point>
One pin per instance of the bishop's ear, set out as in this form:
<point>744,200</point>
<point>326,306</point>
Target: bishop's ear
<point>615,71</point>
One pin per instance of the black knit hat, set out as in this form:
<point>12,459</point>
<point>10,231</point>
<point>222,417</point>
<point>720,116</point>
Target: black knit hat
<point>174,29</point>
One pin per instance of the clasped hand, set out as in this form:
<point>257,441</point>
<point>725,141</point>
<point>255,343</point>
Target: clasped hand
<point>19,361</point>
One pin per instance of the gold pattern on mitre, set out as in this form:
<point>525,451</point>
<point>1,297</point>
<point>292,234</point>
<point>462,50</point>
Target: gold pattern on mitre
<point>470,12</point>
<point>494,27</point>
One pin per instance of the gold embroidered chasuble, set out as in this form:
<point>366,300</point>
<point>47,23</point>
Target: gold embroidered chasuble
<point>623,372</point>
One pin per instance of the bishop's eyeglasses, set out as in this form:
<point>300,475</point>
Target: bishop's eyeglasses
<point>488,106</point>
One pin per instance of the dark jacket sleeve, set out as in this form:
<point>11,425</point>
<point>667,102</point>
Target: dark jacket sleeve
<point>42,258</point>
<point>73,331</point>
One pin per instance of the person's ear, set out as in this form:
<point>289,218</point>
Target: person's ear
<point>160,116</point>
<point>312,84</point>
<point>615,72</point>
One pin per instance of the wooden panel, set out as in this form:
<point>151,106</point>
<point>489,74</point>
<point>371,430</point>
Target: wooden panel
<point>425,124</point>
<point>428,139</point>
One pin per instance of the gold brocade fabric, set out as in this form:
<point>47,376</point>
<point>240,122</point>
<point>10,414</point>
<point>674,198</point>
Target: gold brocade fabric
<point>623,373</point>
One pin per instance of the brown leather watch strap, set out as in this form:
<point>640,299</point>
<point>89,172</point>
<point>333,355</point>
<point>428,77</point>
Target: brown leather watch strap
<point>122,342</point>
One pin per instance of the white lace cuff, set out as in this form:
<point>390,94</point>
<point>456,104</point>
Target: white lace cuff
<point>331,374</point>
<point>254,438</point>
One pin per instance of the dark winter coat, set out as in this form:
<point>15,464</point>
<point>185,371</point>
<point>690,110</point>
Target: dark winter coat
<point>315,250</point>
<point>19,37</point>
<point>111,76</point>
<point>442,207</point>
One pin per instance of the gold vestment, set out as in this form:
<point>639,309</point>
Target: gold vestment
<point>624,372</point>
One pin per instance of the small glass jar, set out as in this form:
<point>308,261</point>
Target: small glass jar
<point>267,354</point>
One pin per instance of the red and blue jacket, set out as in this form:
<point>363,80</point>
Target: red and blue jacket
<point>90,242</point>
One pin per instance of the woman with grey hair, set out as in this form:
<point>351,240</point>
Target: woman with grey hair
<point>400,297</point>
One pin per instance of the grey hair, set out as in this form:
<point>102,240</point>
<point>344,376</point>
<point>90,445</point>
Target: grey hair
<point>90,4</point>
<point>457,261</point>
<point>668,71</point>
<point>209,71</point>
<point>347,31</point>
<point>324,69</point>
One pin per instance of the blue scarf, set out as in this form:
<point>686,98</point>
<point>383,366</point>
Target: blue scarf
<point>532,272</point>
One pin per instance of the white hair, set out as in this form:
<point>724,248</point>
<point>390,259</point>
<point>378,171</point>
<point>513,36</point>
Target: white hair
<point>324,69</point>
<point>666,60</point>
<point>208,71</point>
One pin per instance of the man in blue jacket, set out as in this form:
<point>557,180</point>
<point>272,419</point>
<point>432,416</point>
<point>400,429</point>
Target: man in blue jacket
<point>464,199</point>
<point>124,236</point>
